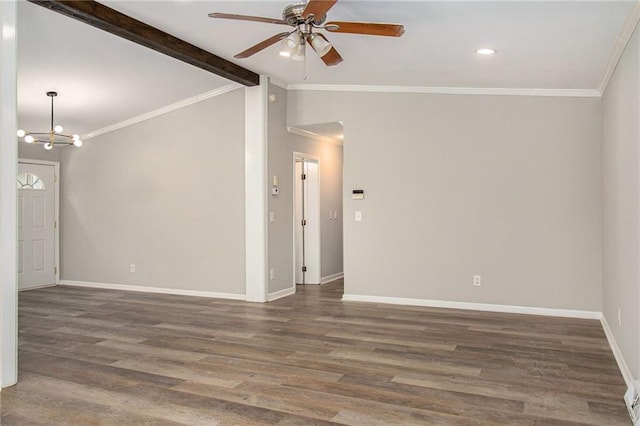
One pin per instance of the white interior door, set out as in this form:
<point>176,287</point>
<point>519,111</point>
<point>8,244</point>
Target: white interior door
<point>312,231</point>
<point>307,221</point>
<point>36,232</point>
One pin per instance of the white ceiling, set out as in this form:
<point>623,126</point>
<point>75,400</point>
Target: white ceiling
<point>103,79</point>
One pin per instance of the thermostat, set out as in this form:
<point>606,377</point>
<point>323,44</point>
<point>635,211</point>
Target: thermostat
<point>358,194</point>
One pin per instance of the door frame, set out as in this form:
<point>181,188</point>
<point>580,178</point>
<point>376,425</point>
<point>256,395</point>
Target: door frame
<point>316,159</point>
<point>56,210</point>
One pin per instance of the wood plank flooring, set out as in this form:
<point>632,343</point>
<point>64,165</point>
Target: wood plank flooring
<point>103,357</point>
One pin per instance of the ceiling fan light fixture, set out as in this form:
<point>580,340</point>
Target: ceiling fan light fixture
<point>290,45</point>
<point>320,45</point>
<point>298,54</point>
<point>292,42</point>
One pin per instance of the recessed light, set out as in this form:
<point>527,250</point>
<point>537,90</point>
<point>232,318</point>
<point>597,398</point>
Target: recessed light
<point>486,51</point>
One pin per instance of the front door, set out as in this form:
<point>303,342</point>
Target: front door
<point>36,226</point>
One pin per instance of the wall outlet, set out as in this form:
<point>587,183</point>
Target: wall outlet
<point>477,280</point>
<point>358,216</point>
<point>132,268</point>
<point>272,274</point>
<point>619,317</point>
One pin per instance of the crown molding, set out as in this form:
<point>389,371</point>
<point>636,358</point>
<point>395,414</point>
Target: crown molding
<point>574,93</point>
<point>165,109</point>
<point>313,135</point>
<point>620,45</point>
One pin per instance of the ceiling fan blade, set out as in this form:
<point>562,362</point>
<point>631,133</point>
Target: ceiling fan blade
<point>332,57</point>
<point>247,18</point>
<point>262,45</point>
<point>318,8</point>
<point>368,28</point>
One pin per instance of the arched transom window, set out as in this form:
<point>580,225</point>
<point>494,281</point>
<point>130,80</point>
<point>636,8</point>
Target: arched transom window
<point>30,181</point>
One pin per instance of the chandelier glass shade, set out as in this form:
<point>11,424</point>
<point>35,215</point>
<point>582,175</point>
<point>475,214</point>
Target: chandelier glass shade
<point>54,137</point>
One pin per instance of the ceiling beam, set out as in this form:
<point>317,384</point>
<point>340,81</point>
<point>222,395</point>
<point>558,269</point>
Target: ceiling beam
<point>110,20</point>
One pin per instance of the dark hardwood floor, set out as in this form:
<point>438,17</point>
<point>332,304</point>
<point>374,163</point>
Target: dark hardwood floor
<point>105,357</point>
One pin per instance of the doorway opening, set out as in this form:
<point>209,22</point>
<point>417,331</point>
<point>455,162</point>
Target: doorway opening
<point>317,199</point>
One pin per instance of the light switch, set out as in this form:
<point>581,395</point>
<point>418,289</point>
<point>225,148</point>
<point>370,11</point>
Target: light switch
<point>272,217</point>
<point>358,216</point>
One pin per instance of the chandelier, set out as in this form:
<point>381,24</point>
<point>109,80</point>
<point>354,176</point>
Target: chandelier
<point>54,137</point>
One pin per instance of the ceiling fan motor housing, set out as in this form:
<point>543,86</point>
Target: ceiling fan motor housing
<point>293,15</point>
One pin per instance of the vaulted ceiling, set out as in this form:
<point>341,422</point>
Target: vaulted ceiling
<point>102,79</point>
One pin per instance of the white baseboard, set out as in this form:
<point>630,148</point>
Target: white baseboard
<point>474,306</point>
<point>37,287</point>
<point>622,365</point>
<point>161,290</point>
<point>332,277</point>
<point>281,293</point>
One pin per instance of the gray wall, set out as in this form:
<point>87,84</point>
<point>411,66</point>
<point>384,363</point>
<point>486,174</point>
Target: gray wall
<point>621,201</point>
<point>330,156</point>
<point>280,158</point>
<point>166,194</point>
<point>37,152</point>
<point>505,187</point>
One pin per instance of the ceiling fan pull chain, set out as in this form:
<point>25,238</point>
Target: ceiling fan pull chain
<point>304,62</point>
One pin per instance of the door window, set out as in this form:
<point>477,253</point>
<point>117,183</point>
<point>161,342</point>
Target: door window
<point>30,181</point>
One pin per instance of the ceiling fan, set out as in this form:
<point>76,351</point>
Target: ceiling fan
<point>307,18</point>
